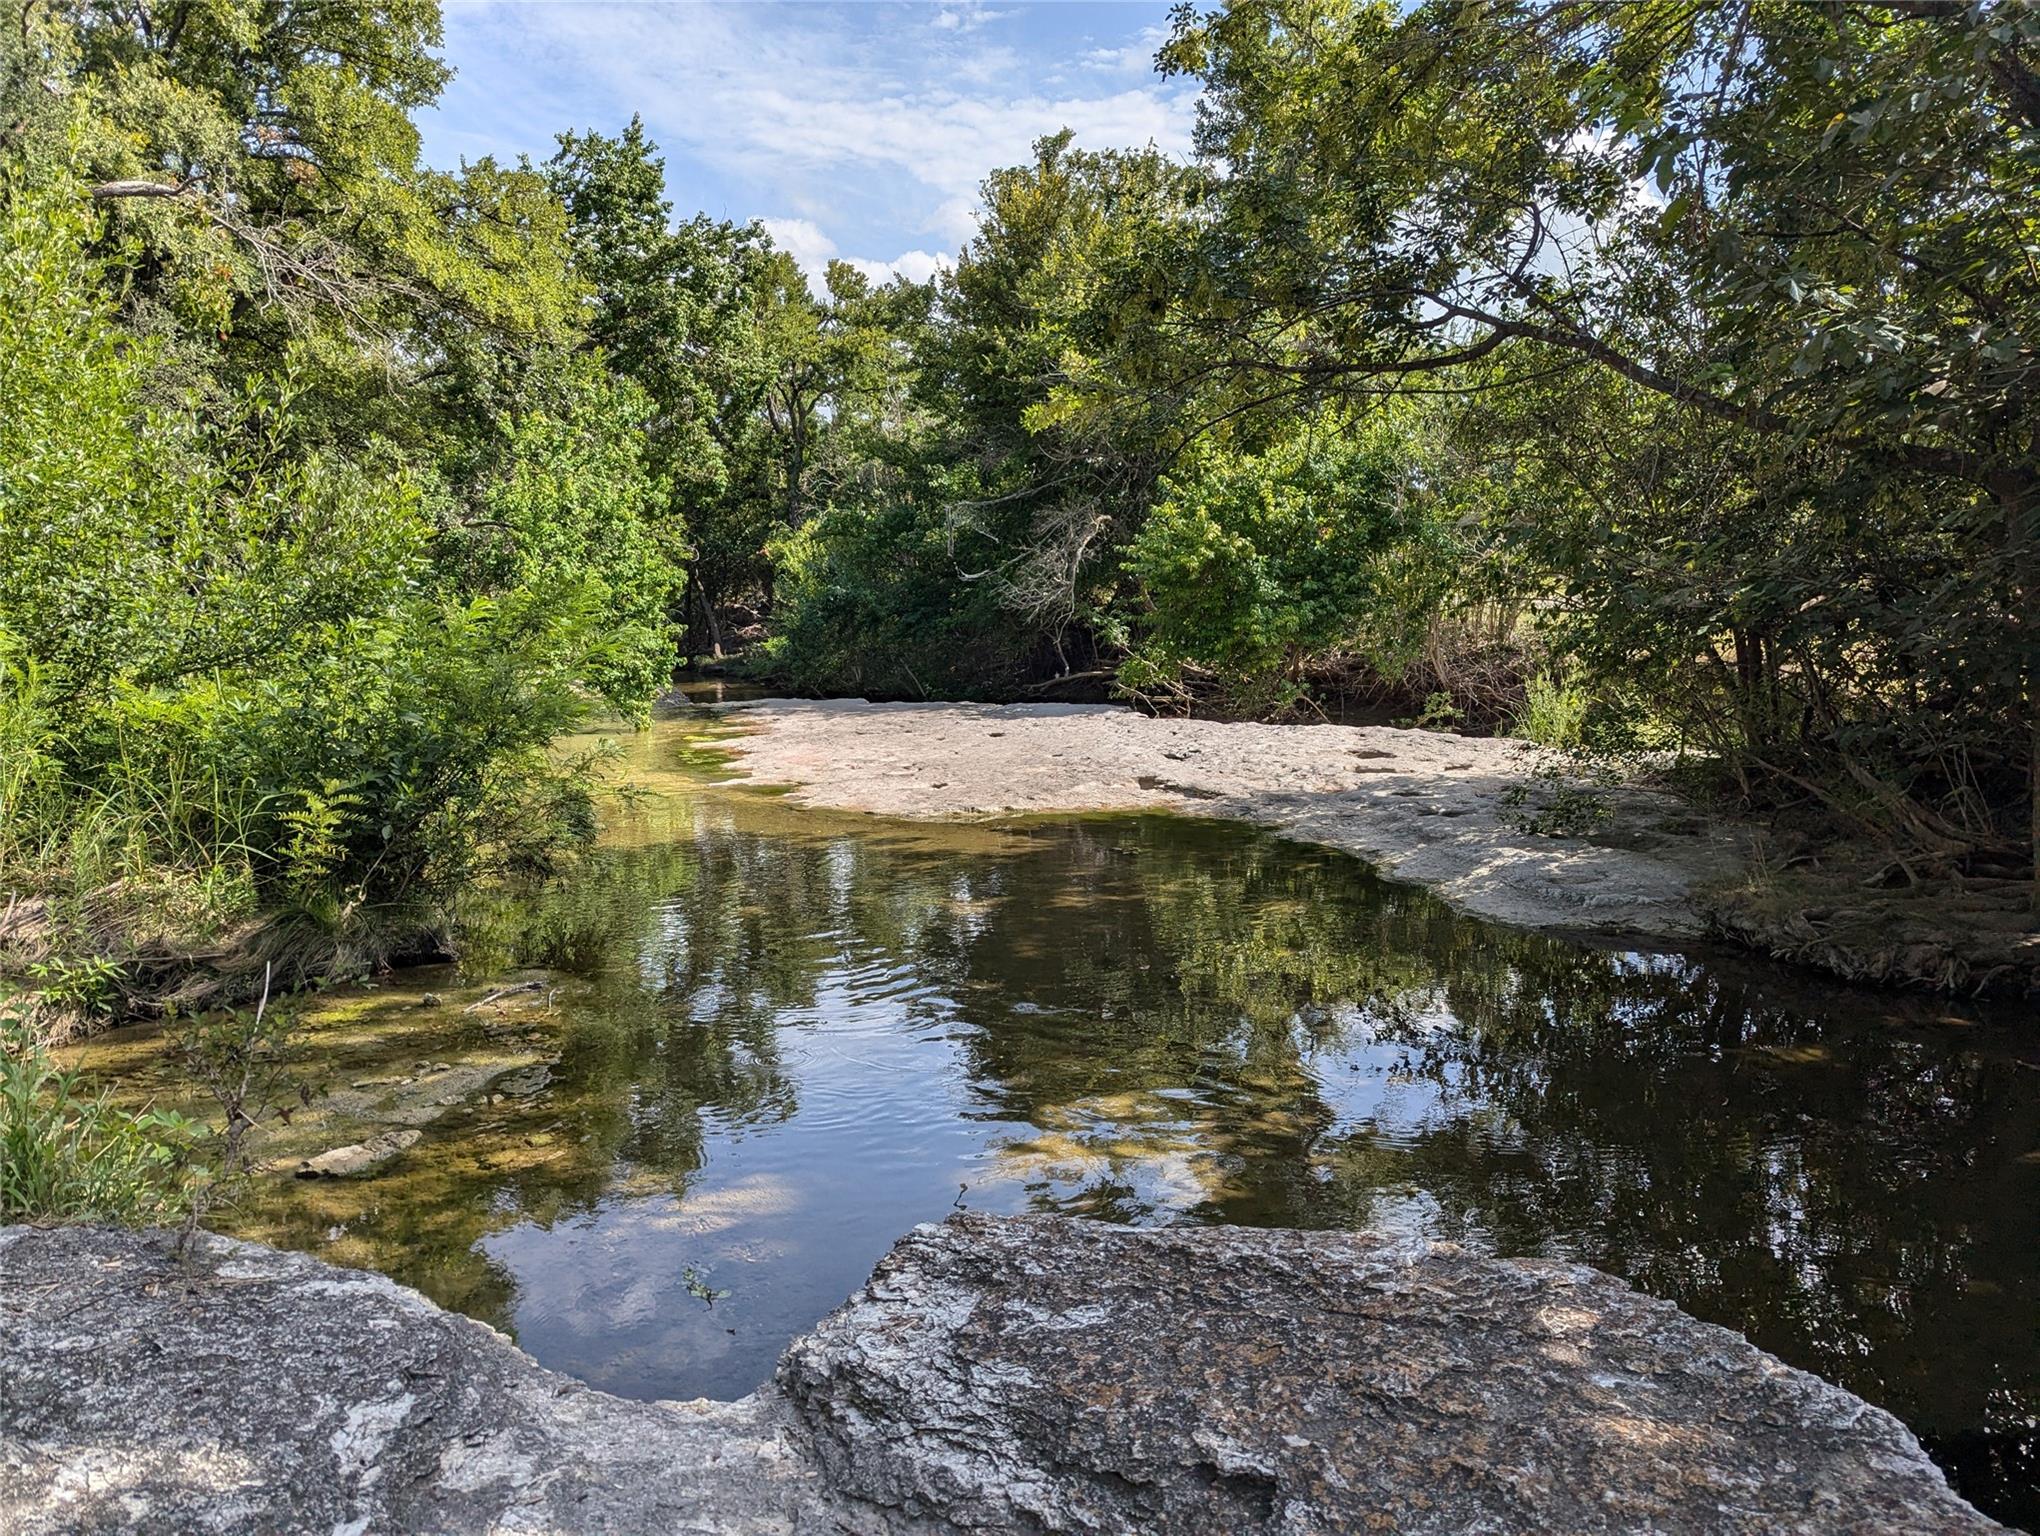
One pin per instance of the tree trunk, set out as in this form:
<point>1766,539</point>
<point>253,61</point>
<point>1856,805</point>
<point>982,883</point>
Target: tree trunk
<point>2021,509</point>
<point>2026,568</point>
<point>687,621</point>
<point>709,622</point>
<point>795,472</point>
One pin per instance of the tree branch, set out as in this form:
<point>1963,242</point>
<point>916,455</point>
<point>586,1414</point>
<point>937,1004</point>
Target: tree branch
<point>108,191</point>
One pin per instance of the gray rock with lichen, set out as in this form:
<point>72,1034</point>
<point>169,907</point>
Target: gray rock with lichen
<point>265,1391</point>
<point>995,1375</point>
<point>1024,1376</point>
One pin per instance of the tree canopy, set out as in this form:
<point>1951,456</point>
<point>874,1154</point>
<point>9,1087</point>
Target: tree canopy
<point>1676,359</point>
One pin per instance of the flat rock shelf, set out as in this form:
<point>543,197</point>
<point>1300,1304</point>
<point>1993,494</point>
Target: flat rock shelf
<point>1431,809</point>
<point>1015,1374</point>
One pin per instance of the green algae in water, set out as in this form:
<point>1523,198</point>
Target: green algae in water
<point>775,1038</point>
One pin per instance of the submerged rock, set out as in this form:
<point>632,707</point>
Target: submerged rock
<point>995,1375</point>
<point>363,1157</point>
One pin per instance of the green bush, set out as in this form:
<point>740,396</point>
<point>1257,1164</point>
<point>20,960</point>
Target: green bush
<point>29,772</point>
<point>1250,564</point>
<point>869,602</point>
<point>240,676</point>
<point>1555,707</point>
<point>558,503</point>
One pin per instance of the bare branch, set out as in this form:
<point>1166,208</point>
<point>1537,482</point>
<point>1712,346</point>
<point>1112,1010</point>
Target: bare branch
<point>108,191</point>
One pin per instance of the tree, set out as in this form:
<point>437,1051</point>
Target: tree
<point>563,501</point>
<point>315,533</point>
<point>1055,494</point>
<point>1794,233</point>
<point>669,307</point>
<point>135,545</point>
<point>261,161</point>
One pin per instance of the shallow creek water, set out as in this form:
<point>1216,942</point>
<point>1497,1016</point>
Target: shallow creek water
<point>758,1043</point>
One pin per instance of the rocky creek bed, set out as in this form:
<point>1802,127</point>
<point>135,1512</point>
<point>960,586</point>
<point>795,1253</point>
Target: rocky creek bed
<point>1424,806</point>
<point>994,1375</point>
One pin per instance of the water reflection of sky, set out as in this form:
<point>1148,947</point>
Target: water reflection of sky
<point>788,1215</point>
<point>795,1041</point>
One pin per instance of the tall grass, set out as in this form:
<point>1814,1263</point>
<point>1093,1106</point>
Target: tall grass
<point>28,770</point>
<point>66,1154</point>
<point>1554,711</point>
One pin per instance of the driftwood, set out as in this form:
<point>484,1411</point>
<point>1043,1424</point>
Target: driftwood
<point>503,992</point>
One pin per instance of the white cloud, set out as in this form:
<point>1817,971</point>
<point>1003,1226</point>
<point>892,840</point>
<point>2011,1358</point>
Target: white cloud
<point>910,112</point>
<point>803,240</point>
<point>982,66</point>
<point>1134,58</point>
<point>955,218</point>
<point>945,141</point>
<point>914,266</point>
<point>813,250</point>
<point>965,17</point>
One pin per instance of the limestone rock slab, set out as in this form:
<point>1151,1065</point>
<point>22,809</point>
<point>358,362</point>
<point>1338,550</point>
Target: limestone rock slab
<point>995,1375</point>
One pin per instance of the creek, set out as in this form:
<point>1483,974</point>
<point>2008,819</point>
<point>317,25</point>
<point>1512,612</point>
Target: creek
<point>757,1043</point>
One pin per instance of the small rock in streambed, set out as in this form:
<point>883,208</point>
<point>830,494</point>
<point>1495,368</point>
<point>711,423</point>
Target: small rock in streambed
<point>523,1085</point>
<point>362,1157</point>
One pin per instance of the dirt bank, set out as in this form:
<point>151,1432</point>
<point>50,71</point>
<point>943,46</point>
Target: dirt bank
<point>1442,811</point>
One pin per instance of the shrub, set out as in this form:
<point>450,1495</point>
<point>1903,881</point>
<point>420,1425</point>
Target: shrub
<point>868,602</point>
<point>1250,564</point>
<point>243,676</point>
<point>1554,712</point>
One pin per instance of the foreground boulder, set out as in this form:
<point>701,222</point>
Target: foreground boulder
<point>995,1375</point>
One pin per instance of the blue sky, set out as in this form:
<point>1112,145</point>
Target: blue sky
<point>852,130</point>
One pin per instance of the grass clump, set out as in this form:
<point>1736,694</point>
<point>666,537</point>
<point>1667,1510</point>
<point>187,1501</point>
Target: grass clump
<point>1554,713</point>
<point>68,1154</point>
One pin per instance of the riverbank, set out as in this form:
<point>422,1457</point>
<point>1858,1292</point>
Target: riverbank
<point>1433,809</point>
<point>993,1376</point>
<point>1495,826</point>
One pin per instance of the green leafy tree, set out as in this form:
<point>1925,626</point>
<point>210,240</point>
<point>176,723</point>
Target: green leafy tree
<point>562,502</point>
<point>261,162</point>
<point>243,672</point>
<point>670,305</point>
<point>134,544</point>
<point>1250,564</point>
<point>1789,239</point>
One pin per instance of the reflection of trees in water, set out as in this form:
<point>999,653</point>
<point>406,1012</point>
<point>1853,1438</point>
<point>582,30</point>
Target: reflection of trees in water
<point>693,953</point>
<point>1860,1199</point>
<point>1834,1192</point>
<point>1168,1007</point>
<point>1856,1197</point>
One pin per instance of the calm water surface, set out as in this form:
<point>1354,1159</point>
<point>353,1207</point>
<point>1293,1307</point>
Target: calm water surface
<point>783,1037</point>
